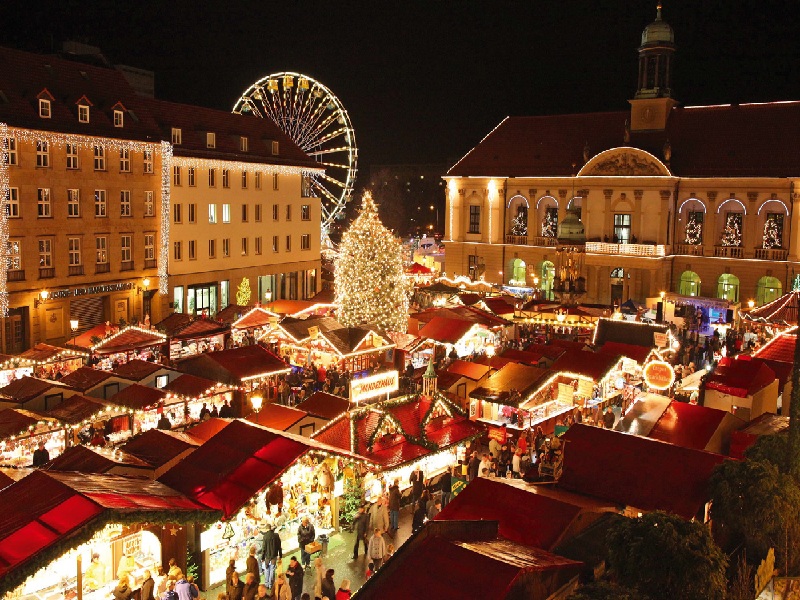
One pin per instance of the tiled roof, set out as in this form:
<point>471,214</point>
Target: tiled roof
<point>26,388</point>
<point>85,378</point>
<point>138,397</point>
<point>327,406</point>
<point>675,480</point>
<point>513,376</point>
<point>700,137</point>
<point>445,330</point>
<point>228,127</point>
<point>191,386</point>
<point>470,370</point>
<point>24,75</point>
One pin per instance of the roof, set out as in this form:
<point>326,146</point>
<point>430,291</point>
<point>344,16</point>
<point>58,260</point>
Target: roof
<point>627,332</point>
<point>232,313</point>
<point>295,307</point>
<point>540,146</point>
<point>235,365</point>
<point>632,351</point>
<point>195,121</point>
<point>326,406</point>
<point>692,426</point>
<point>27,388</point>
<point>551,351</point>
<point>157,447</point>
<point>782,370</point>
<point>739,378</point>
<point>764,424</point>
<point>780,348</point>
<point>118,340</point>
<point>136,369</point>
<point>671,478</point>
<point>783,309</point>
<point>45,353</point>
<point>523,516</point>
<point>46,509</point>
<point>445,330</point>
<point>172,322</point>
<point>200,328</point>
<point>522,356</point>
<point>499,306</point>
<point>593,365</point>
<point>192,386</point>
<point>470,370</point>
<point>15,421</point>
<point>25,75</point>
<point>513,376</point>
<point>205,430</point>
<point>79,408</point>
<point>348,339</point>
<point>418,269</point>
<point>277,416</point>
<point>236,463</point>
<point>138,397</point>
<point>465,313</point>
<point>255,317</point>
<point>298,328</point>
<point>85,378</point>
<point>89,459</point>
<point>642,416</point>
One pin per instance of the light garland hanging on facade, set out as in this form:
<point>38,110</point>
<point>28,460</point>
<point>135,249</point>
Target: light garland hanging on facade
<point>163,251</point>
<point>250,167</point>
<point>694,231</point>
<point>772,233</point>
<point>4,194</point>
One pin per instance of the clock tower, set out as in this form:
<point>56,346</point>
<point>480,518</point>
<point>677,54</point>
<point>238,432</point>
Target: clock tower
<point>653,101</point>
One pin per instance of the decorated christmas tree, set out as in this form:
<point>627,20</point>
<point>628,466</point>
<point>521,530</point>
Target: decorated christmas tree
<point>371,288</point>
<point>549,225</point>
<point>772,234</point>
<point>519,226</point>
<point>694,231</point>
<point>243,293</point>
<point>732,234</point>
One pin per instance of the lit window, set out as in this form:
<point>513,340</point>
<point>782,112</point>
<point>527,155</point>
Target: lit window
<point>125,242</point>
<point>118,118</point>
<point>149,246</point>
<point>12,209</point>
<point>212,213</point>
<point>45,254</point>
<point>83,113</point>
<point>74,244</point>
<point>44,108</point>
<point>176,175</point>
<point>226,178</point>
<point>176,135</point>
<point>14,255</point>
<point>190,176</point>
<point>43,203</point>
<point>149,206</point>
<point>305,212</point>
<point>72,156</point>
<point>226,213</point>
<point>73,203</point>
<point>148,161</point>
<point>101,250</point>
<point>124,160</point>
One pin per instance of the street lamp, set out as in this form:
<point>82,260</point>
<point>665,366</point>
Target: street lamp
<point>143,291</point>
<point>257,401</point>
<point>268,296</point>
<point>73,325</point>
<point>44,295</point>
<point>751,304</point>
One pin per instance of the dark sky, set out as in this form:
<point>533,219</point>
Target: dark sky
<point>425,81</point>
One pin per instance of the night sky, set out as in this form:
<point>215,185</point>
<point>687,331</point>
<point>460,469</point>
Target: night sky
<point>425,81</point>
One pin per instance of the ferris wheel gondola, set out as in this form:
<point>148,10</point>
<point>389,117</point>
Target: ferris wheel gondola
<point>314,118</point>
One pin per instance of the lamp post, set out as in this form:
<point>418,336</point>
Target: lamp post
<point>73,325</point>
<point>257,401</point>
<point>436,208</point>
<point>145,284</point>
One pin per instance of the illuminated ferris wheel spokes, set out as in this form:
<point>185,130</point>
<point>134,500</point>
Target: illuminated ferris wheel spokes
<point>312,116</point>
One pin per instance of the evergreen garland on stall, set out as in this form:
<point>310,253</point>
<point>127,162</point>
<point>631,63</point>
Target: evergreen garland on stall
<point>371,288</point>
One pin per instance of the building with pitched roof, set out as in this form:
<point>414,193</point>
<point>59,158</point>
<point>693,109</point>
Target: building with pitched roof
<point>694,200</point>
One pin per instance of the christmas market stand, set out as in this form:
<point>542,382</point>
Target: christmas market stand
<point>195,392</point>
<point>52,362</point>
<point>21,432</point>
<point>109,345</point>
<point>86,418</point>
<point>188,335</point>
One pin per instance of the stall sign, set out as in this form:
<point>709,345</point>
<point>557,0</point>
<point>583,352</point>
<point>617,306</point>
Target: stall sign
<point>473,409</point>
<point>313,332</point>
<point>659,374</point>
<point>338,488</point>
<point>374,386</point>
<point>585,388</point>
<point>499,434</point>
<point>566,393</point>
<point>629,366</point>
<point>660,339</point>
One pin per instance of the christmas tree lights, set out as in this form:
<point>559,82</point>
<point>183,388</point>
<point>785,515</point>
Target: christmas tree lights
<point>243,293</point>
<point>694,231</point>
<point>549,225</point>
<point>732,234</point>
<point>772,233</point>
<point>519,226</point>
<point>370,283</point>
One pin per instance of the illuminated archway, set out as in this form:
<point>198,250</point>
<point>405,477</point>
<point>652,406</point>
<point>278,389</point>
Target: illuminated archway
<point>689,284</point>
<point>728,287</point>
<point>768,289</point>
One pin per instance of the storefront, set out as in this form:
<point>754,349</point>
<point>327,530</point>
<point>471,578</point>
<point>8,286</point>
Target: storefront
<point>21,432</point>
<point>110,346</point>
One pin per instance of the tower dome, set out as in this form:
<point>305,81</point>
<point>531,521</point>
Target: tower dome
<point>658,31</point>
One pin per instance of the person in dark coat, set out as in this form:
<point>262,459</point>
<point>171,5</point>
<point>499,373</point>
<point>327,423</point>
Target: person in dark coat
<point>305,535</point>
<point>394,505</point>
<point>40,456</point>
<point>229,576</point>
<point>250,588</point>
<point>270,553</point>
<point>360,525</point>
<point>416,479</point>
<point>147,586</point>
<point>123,591</point>
<point>236,587</point>
<point>419,518</point>
<point>226,412</point>
<point>328,586</point>
<point>474,464</point>
<point>252,565</point>
<point>295,576</point>
<point>164,423</point>
<point>446,484</point>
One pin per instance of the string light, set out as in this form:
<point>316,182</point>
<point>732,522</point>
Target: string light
<point>163,251</point>
<point>266,169</point>
<point>4,197</point>
<point>161,338</point>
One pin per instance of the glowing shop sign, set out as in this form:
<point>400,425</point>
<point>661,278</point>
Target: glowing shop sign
<point>659,374</point>
<point>374,386</point>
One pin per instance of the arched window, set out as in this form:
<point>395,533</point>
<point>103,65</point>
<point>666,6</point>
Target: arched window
<point>728,287</point>
<point>768,289</point>
<point>618,273</point>
<point>518,269</point>
<point>689,284</point>
<point>548,274</point>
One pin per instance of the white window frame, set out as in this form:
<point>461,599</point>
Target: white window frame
<point>258,180</point>
<point>125,209</point>
<point>243,143</point>
<point>100,204</point>
<point>14,255</point>
<point>13,203</point>
<point>177,135</point>
<point>305,212</point>
<point>45,253</point>
<point>74,251</point>
<point>42,153</point>
<point>212,178</point>
<point>244,180</point>
<point>73,203</point>
<point>212,213</point>
<point>124,160</point>
<point>44,204</point>
<point>73,158</point>
<point>226,247</point>
<point>149,246</point>
<point>12,151</point>
<point>149,204</point>
<point>226,213</point>
<point>176,175</point>
<point>83,113</point>
<point>177,213</point>
<point>45,109</point>
<point>177,251</point>
<point>119,118</point>
<point>126,248</point>
<point>147,159</point>
<point>101,250</point>
<point>190,177</point>
<point>211,139</point>
<point>99,158</point>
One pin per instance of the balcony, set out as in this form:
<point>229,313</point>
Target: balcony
<point>728,251</point>
<point>16,275</point>
<point>626,249</point>
<point>102,268</point>
<point>772,254</point>
<point>533,240</point>
<point>688,249</point>
<point>47,272</point>
<point>75,270</point>
<point>149,263</point>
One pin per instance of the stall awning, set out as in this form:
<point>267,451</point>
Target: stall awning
<point>27,388</point>
<point>45,353</point>
<point>45,510</point>
<point>523,515</point>
<point>647,474</point>
<point>200,328</point>
<point>236,365</point>
<point>697,427</point>
<point>780,348</point>
<point>79,408</point>
<point>157,447</point>
<point>17,421</point>
<point>138,397</point>
<point>192,386</point>
<point>417,269</point>
<point>255,317</point>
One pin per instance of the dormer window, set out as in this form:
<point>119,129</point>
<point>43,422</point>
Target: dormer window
<point>119,118</point>
<point>275,148</point>
<point>243,144</point>
<point>211,140</point>
<point>83,113</point>
<point>176,135</point>
<point>44,108</point>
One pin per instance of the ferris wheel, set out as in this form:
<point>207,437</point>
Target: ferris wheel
<point>314,118</point>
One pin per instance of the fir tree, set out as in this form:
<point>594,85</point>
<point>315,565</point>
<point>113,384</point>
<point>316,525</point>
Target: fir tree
<point>772,237</point>
<point>694,231</point>
<point>519,226</point>
<point>243,293</point>
<point>370,283</point>
<point>732,234</point>
<point>549,226</point>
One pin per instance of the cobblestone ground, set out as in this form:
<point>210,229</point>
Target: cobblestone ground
<point>340,559</point>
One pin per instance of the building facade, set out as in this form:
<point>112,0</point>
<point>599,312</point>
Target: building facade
<point>693,200</point>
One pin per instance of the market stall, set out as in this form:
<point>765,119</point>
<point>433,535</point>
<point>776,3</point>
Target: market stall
<point>253,324</point>
<point>109,345</point>
<point>293,333</point>
<point>84,416</point>
<point>195,392</point>
<point>32,393</point>
<point>14,367</point>
<point>21,432</point>
<point>52,362</point>
<point>354,349</point>
<point>146,405</point>
<point>462,337</point>
<point>195,336</point>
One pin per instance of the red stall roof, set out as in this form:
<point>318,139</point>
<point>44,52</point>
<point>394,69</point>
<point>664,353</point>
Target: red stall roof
<point>27,388</point>
<point>692,426</point>
<point>157,447</point>
<point>521,356</point>
<point>470,370</point>
<point>513,376</point>
<point>632,351</point>
<point>79,408</point>
<point>327,406</point>
<point>88,459</point>
<point>138,397</point>
<point>200,328</point>
<point>255,317</point>
<point>123,340</point>
<point>499,305</point>
<point>236,365</point>
<point>523,515</point>
<point>44,509</point>
<point>192,386</point>
<point>593,365</point>
<point>740,378</point>
<point>45,353</point>
<point>85,378</point>
<point>277,416</point>
<point>136,369</point>
<point>14,421</point>
<point>780,348</point>
<point>418,269</point>
<point>636,471</point>
<point>445,330</point>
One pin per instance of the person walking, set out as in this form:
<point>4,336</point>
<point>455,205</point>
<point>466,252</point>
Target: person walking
<point>328,586</point>
<point>394,505</point>
<point>252,565</point>
<point>360,525</point>
<point>416,479</point>
<point>295,576</point>
<point>305,535</point>
<point>376,549</point>
<point>270,553</point>
<point>236,588</point>
<point>446,485</point>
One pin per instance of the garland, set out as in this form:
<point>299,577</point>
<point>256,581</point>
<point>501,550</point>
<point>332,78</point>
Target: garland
<point>20,574</point>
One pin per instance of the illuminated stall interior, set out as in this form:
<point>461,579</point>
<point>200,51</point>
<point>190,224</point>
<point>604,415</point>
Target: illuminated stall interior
<point>86,418</point>
<point>14,367</point>
<point>146,405</point>
<point>52,362</point>
<point>194,392</point>
<point>21,431</point>
<point>110,345</point>
<point>188,335</point>
<point>253,323</point>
